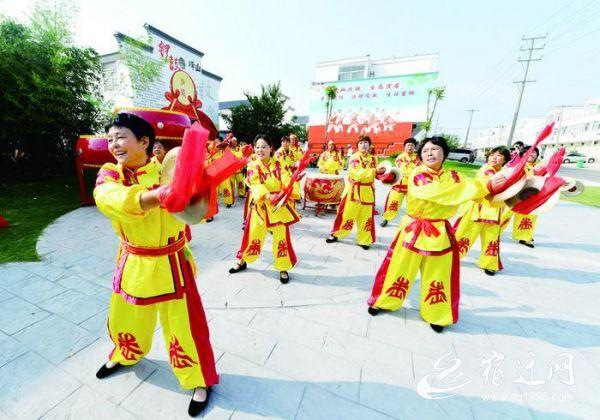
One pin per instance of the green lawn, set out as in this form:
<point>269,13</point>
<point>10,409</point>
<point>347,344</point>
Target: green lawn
<point>589,197</point>
<point>29,208</point>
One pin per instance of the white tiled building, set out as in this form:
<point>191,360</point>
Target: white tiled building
<point>579,130</point>
<point>175,56</point>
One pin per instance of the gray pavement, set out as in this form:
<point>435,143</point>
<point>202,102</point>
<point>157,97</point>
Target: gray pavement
<point>527,344</point>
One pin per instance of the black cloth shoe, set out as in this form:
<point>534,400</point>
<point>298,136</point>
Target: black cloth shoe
<point>239,267</point>
<point>104,371</point>
<point>529,244</point>
<point>384,223</point>
<point>489,272</point>
<point>437,328</point>
<point>228,206</point>
<point>210,219</point>
<point>196,407</point>
<point>364,246</point>
<point>331,239</point>
<point>284,277</point>
<point>373,311</point>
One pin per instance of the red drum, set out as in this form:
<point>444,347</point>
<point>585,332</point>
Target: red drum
<point>323,188</point>
<point>168,125</point>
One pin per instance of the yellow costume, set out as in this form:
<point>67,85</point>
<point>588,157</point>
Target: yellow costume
<point>226,188</point>
<point>287,158</point>
<point>406,162</point>
<point>425,242</point>
<point>264,179</point>
<point>330,162</point>
<point>483,219</point>
<point>524,224</point>
<point>155,275</point>
<point>239,180</point>
<point>358,200</point>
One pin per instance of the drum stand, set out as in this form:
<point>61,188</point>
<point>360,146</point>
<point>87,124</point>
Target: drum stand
<point>320,207</point>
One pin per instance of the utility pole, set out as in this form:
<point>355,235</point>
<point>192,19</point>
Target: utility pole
<point>471,111</point>
<point>530,49</point>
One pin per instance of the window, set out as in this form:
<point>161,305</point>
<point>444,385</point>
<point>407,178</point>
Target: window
<point>351,72</point>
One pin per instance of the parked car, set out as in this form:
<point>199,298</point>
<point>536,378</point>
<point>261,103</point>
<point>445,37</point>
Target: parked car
<point>576,157</point>
<point>462,155</point>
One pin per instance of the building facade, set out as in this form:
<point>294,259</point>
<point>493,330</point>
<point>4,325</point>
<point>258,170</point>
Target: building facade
<point>385,99</point>
<point>577,128</point>
<point>182,83</point>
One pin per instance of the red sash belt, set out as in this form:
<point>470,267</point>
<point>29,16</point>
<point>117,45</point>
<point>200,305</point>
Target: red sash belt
<point>158,251</point>
<point>356,191</point>
<point>425,225</point>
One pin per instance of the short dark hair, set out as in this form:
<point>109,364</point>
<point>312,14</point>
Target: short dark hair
<point>264,137</point>
<point>526,148</point>
<point>285,138</point>
<point>138,126</point>
<point>502,150</point>
<point>438,141</point>
<point>362,137</point>
<point>410,140</point>
<point>519,143</point>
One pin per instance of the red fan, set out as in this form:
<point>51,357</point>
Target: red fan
<point>554,163</point>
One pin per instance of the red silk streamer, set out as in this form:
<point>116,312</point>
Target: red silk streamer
<point>285,193</point>
<point>386,178</point>
<point>188,169</point>
<point>247,151</point>
<point>518,164</point>
<point>217,172</point>
<point>553,165</point>
<point>550,187</point>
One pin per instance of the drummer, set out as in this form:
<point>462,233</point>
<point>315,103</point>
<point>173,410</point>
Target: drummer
<point>358,202</point>
<point>331,160</point>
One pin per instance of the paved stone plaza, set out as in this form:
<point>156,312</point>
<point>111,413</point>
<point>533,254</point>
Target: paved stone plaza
<point>527,344</point>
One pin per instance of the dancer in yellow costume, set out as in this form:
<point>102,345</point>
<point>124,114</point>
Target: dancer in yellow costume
<point>484,218</point>
<point>155,274</point>
<point>331,160</point>
<point>226,188</point>
<point>425,241</point>
<point>524,224</point>
<point>285,155</point>
<point>267,178</point>
<point>295,147</point>
<point>406,161</point>
<point>358,202</point>
<point>239,179</point>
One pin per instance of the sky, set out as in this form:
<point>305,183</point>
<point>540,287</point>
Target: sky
<point>252,43</point>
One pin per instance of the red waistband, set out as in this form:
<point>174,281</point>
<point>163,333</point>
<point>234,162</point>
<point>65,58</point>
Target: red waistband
<point>158,251</point>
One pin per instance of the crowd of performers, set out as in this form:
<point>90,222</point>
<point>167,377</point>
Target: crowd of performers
<point>155,275</point>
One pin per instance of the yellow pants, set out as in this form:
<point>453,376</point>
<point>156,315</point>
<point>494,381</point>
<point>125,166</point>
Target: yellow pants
<point>524,226</point>
<point>466,235</point>
<point>185,331</point>
<point>254,238</point>
<point>351,211</point>
<point>440,290</point>
<point>227,192</point>
<point>240,184</point>
<point>393,203</point>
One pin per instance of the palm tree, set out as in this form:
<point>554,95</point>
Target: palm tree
<point>438,94</point>
<point>331,92</point>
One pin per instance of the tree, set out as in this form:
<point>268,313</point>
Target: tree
<point>438,94</point>
<point>331,94</point>
<point>453,140</point>
<point>50,93</point>
<point>264,114</point>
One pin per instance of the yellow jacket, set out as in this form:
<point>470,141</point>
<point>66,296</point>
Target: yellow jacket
<point>361,175</point>
<point>432,198</point>
<point>142,279</point>
<point>406,162</point>
<point>485,211</point>
<point>271,178</point>
<point>286,158</point>
<point>330,162</point>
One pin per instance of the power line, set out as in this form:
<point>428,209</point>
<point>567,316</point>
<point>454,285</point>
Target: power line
<point>528,61</point>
